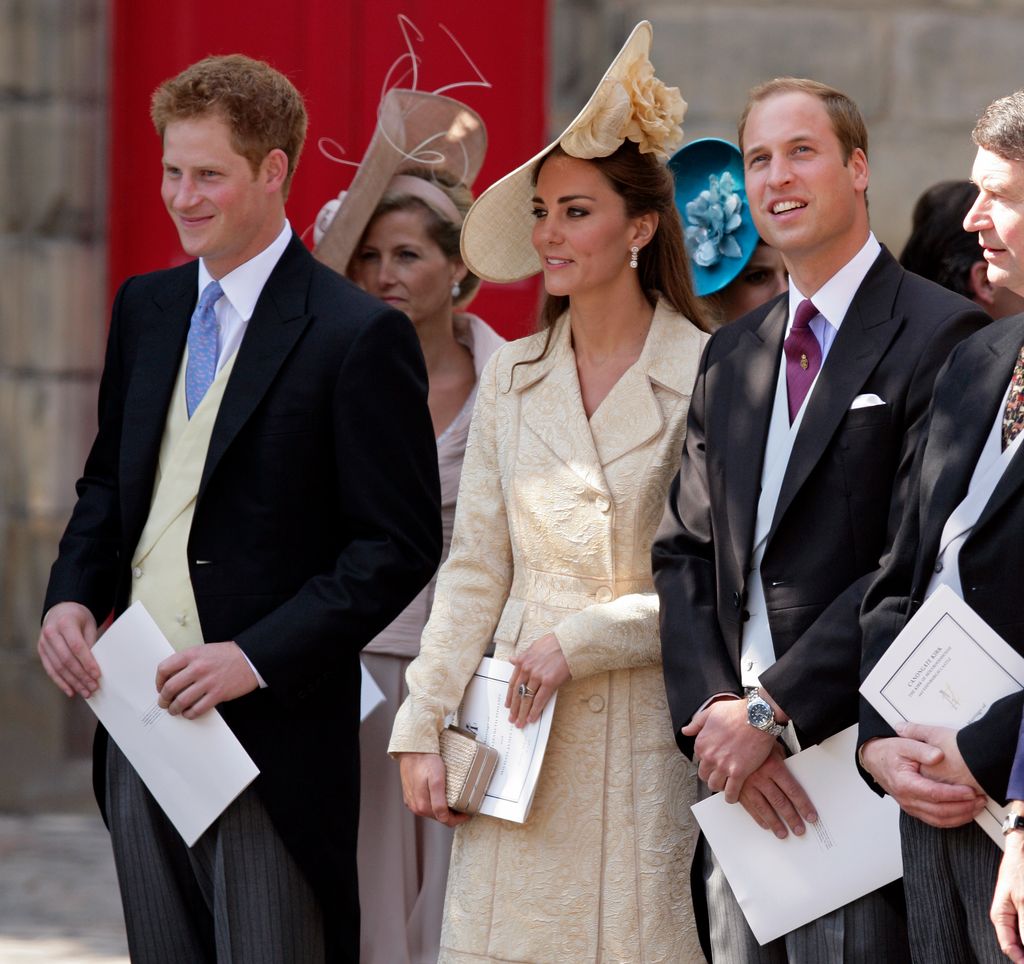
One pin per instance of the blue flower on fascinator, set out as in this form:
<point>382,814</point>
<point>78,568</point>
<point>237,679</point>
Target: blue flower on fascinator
<point>718,226</point>
<point>713,217</point>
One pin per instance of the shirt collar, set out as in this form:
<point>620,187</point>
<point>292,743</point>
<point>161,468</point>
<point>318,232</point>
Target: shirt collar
<point>833,298</point>
<point>243,286</point>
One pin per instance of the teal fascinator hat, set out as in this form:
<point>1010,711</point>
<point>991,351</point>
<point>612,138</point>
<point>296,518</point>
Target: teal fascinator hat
<point>719,232</point>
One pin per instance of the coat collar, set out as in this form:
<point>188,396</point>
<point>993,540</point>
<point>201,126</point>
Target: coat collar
<point>279,319</point>
<point>632,414</point>
<point>957,441</point>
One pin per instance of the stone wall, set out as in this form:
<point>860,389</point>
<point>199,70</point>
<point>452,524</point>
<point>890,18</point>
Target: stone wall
<point>921,71</point>
<point>53,78</point>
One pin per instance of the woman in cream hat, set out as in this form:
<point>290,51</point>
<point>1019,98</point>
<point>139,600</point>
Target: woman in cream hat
<point>575,437</point>
<point>395,232</point>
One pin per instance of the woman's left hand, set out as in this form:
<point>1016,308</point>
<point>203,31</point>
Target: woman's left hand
<point>542,668</point>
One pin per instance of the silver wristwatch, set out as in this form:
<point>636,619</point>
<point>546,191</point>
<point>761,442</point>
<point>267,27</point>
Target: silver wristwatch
<point>1011,822</point>
<point>760,715</point>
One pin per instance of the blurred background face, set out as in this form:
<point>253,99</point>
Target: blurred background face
<point>402,265</point>
<point>762,279</point>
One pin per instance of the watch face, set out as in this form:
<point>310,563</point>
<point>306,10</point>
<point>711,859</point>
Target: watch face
<point>760,714</point>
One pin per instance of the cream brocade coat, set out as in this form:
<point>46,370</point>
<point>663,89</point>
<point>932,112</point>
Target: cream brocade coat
<point>553,532</point>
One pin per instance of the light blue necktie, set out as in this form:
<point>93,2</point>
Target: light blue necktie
<point>202,347</point>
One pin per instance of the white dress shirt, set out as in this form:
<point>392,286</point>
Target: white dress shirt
<point>242,289</point>
<point>834,297</point>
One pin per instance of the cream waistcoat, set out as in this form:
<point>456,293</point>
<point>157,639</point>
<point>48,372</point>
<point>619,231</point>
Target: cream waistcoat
<point>160,573</point>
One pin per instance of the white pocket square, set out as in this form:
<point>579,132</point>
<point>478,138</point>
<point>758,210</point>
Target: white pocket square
<point>866,401</point>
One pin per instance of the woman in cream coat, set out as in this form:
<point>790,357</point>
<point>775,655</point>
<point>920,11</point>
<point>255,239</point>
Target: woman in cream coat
<point>575,437</point>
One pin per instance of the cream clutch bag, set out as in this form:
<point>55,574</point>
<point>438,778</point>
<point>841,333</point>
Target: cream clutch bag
<point>469,766</point>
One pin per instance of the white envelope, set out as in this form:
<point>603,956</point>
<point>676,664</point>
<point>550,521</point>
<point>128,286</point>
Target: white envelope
<point>866,401</point>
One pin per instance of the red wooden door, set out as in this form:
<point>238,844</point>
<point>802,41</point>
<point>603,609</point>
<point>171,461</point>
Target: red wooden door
<point>337,53</point>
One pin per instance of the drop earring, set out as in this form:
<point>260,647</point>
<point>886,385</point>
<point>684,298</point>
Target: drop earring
<point>456,291</point>
<point>634,253</point>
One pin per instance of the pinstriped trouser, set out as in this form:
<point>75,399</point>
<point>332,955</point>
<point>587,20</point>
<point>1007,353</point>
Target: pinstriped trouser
<point>236,896</point>
<point>871,930</point>
<point>950,876</point>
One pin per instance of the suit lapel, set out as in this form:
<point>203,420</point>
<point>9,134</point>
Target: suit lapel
<point>633,413</point>
<point>275,326</point>
<point>552,408</point>
<point>864,335</point>
<point>158,358</point>
<point>996,377</point>
<point>955,443</point>
<point>754,368</point>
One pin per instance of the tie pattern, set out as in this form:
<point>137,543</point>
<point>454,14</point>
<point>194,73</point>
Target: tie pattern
<point>202,347</point>
<point>1013,414</point>
<point>803,357</point>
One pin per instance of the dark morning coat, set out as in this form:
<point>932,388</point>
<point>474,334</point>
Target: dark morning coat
<point>838,509</point>
<point>968,395</point>
<point>317,521</point>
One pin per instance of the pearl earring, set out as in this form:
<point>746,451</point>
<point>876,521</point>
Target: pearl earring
<point>634,253</point>
<point>456,291</point>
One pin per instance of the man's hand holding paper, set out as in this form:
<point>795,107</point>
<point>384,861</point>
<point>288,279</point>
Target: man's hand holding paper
<point>65,649</point>
<point>192,682</point>
<point>728,747</point>
<point>929,780</point>
<point>775,799</point>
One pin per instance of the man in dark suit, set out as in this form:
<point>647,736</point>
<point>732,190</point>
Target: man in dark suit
<point>795,463</point>
<point>963,527</point>
<point>264,479</point>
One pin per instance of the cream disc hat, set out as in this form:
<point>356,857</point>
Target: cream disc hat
<point>415,129</point>
<point>629,103</point>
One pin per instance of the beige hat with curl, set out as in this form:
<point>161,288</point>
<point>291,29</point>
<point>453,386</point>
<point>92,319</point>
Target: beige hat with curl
<point>629,103</point>
<point>415,129</point>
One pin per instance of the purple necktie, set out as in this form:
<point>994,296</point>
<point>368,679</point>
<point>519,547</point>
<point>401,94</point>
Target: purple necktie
<point>803,357</point>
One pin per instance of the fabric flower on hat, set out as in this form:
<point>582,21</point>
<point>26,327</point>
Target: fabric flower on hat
<point>658,111</point>
<point>712,217</point>
<point>637,106</point>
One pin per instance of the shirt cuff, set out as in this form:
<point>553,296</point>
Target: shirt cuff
<point>256,673</point>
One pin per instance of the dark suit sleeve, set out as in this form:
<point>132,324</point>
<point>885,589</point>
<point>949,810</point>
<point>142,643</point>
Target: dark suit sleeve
<point>695,660</point>
<point>385,461</point>
<point>87,563</point>
<point>1015,790</point>
<point>816,680</point>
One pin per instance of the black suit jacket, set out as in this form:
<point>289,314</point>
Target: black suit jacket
<point>968,395</point>
<point>837,511</point>
<point>317,521</point>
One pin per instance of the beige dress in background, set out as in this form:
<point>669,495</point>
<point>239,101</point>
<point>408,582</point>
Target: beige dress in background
<point>403,859</point>
<point>553,531</point>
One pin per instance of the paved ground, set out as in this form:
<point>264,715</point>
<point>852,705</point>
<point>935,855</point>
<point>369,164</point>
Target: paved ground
<point>58,893</point>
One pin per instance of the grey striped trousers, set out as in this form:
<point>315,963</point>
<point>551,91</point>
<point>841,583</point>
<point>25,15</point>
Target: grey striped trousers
<point>236,896</point>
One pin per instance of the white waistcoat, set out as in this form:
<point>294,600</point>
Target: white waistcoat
<point>160,572</point>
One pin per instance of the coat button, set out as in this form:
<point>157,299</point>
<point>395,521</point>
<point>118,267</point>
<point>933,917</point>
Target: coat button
<point>736,600</point>
<point>604,594</point>
<point>137,572</point>
<point>596,703</point>
<point>602,504</point>
<point>938,566</point>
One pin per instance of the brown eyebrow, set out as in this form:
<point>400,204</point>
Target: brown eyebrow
<point>565,200</point>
